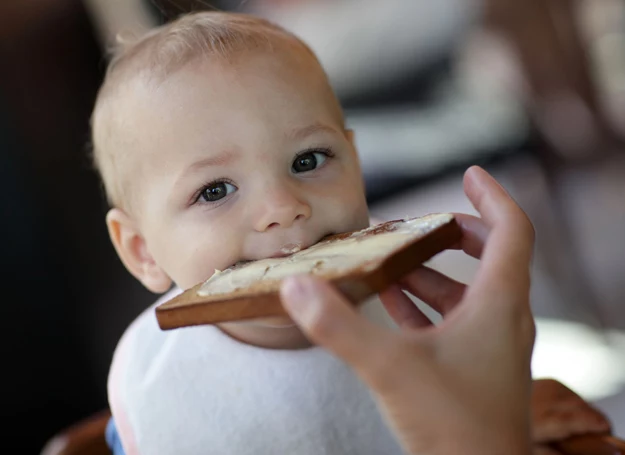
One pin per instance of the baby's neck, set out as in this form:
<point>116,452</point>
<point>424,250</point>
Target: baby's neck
<point>268,337</point>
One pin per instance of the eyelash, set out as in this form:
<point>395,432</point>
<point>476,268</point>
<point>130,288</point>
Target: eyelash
<point>324,150</point>
<point>198,194</point>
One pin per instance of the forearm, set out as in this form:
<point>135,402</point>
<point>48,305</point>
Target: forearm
<point>479,440</point>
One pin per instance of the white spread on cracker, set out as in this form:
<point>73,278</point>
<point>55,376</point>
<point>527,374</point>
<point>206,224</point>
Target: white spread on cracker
<point>325,257</point>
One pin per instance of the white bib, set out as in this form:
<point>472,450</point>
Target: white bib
<point>197,391</point>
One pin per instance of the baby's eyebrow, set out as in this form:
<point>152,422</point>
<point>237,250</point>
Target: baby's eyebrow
<point>221,159</point>
<point>301,133</point>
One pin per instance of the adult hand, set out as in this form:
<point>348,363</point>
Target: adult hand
<point>460,387</point>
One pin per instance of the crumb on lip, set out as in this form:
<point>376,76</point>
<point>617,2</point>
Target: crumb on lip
<point>291,249</point>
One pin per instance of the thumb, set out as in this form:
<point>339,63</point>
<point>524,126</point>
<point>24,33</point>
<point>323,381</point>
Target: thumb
<point>329,320</point>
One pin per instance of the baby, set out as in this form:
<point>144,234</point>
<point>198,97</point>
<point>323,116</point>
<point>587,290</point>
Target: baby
<point>219,140</point>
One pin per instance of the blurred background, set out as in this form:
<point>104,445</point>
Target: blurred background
<point>534,90</point>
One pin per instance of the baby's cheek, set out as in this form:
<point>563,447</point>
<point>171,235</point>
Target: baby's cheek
<point>197,262</point>
<point>347,201</point>
<point>356,213</point>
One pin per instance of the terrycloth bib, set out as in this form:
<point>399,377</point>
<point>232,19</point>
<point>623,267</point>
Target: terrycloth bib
<point>197,391</point>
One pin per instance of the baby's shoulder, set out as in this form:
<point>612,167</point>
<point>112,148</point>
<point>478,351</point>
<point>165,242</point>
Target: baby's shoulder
<point>139,347</point>
<point>145,349</point>
<point>143,336</point>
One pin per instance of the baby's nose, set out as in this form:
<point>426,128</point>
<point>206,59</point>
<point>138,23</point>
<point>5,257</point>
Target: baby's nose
<point>282,210</point>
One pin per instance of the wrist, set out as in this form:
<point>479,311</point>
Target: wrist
<point>486,440</point>
<point>492,443</point>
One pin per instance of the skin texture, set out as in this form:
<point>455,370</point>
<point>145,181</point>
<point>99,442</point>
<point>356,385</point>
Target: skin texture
<point>463,386</point>
<point>244,121</point>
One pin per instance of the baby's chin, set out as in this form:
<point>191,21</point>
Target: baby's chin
<point>273,322</point>
<point>278,332</point>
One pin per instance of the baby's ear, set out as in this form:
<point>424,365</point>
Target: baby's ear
<point>133,251</point>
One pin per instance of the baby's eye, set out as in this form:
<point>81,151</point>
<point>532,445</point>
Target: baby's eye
<point>308,161</point>
<point>216,191</point>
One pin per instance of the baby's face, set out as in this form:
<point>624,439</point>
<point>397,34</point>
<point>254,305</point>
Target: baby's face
<point>241,162</point>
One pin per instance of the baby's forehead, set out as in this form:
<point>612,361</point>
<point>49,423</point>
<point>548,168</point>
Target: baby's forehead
<point>220,96</point>
<point>131,100</point>
<point>153,126</point>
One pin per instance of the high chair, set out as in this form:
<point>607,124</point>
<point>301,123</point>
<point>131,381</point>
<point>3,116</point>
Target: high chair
<point>83,438</point>
<point>87,438</point>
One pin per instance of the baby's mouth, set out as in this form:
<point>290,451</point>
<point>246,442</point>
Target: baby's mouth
<point>289,249</point>
<point>286,250</point>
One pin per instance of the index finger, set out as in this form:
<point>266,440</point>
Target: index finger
<point>507,253</point>
<point>474,234</point>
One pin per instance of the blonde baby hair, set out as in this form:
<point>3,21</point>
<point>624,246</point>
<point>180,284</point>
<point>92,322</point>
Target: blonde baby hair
<point>161,51</point>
